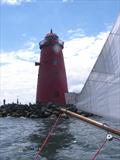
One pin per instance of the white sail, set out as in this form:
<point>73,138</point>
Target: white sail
<point>101,92</point>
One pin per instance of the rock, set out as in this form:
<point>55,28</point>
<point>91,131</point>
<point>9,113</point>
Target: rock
<point>4,113</point>
<point>14,114</point>
<point>33,116</point>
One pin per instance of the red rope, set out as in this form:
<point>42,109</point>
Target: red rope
<point>99,149</point>
<point>116,138</point>
<point>46,139</point>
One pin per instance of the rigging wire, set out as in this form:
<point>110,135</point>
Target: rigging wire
<point>47,138</point>
<point>109,137</point>
<point>116,138</point>
<point>99,149</point>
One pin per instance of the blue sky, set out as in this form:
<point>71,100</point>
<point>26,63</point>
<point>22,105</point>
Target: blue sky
<point>84,26</point>
<point>25,20</point>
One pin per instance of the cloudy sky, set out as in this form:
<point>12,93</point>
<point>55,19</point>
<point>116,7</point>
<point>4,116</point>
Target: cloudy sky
<point>82,24</point>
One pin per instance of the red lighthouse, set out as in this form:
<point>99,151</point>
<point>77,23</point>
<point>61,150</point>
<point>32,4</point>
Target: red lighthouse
<point>52,81</point>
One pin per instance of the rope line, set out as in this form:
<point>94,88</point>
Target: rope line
<point>108,138</point>
<point>99,149</point>
<point>47,137</point>
<point>116,138</point>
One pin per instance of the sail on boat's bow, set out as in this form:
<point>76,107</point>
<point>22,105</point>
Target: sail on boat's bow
<point>101,92</point>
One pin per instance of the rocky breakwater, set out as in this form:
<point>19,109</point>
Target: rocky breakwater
<point>24,110</point>
<point>40,110</point>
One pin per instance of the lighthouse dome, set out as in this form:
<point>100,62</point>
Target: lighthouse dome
<point>51,36</point>
<point>51,39</point>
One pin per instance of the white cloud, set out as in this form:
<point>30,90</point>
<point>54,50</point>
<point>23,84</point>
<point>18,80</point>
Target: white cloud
<point>30,45</point>
<point>19,75</point>
<point>80,55</point>
<point>109,26</point>
<point>74,33</point>
<point>76,30</point>
<point>14,2</point>
<point>64,1</point>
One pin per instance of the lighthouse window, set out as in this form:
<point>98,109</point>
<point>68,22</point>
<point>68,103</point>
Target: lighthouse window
<point>55,62</point>
<point>57,48</point>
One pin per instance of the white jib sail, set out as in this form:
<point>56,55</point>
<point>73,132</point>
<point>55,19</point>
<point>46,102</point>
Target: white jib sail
<point>101,92</point>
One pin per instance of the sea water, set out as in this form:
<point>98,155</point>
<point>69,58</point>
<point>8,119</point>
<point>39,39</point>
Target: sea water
<point>72,139</point>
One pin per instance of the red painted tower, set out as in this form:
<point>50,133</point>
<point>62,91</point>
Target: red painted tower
<point>52,81</point>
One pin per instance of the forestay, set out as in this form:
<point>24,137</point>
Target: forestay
<point>101,92</point>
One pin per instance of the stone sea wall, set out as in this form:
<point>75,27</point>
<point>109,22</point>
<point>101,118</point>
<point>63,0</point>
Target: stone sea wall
<point>40,110</point>
<point>24,110</point>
